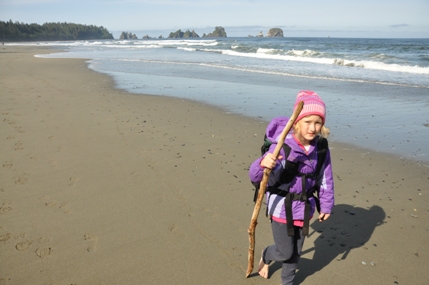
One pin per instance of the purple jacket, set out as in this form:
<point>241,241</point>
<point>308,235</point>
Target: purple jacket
<point>306,164</point>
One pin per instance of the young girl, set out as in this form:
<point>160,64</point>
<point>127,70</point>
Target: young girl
<point>293,183</point>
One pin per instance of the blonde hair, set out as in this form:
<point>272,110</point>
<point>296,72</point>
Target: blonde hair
<point>324,131</point>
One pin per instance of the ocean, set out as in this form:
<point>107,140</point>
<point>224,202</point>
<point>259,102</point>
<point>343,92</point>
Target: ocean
<point>376,90</point>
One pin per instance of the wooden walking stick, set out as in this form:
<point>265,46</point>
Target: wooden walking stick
<point>263,187</point>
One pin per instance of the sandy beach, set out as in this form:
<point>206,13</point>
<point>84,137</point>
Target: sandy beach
<point>99,186</point>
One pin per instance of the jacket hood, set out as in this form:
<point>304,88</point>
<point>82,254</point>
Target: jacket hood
<point>275,128</point>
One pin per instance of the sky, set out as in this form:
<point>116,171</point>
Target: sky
<point>240,18</point>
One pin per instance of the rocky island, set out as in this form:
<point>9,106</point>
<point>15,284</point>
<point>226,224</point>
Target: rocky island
<point>272,33</point>
<point>219,32</point>
<point>275,33</point>
<point>127,36</point>
<point>179,34</point>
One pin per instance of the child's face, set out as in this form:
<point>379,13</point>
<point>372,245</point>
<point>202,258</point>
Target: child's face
<point>309,128</point>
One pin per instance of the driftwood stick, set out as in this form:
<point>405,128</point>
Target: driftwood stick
<point>263,188</point>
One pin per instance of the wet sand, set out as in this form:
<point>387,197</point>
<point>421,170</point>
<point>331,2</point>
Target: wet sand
<point>99,186</point>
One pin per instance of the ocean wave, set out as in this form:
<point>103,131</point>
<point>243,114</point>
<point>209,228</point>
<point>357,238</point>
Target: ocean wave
<point>313,76</point>
<point>267,50</point>
<point>274,72</point>
<point>187,48</point>
<point>303,53</point>
<point>308,56</point>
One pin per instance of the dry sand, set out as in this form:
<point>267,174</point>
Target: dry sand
<point>98,186</point>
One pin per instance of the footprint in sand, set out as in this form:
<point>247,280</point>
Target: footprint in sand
<point>73,180</point>
<point>43,198</point>
<point>44,251</point>
<point>174,229</point>
<point>5,237</point>
<point>45,240</point>
<point>4,281</point>
<point>21,246</point>
<point>51,204</point>
<point>20,235</point>
<point>18,146</point>
<point>22,179</point>
<point>19,129</point>
<point>64,207</point>
<point>8,165</point>
<point>4,210</point>
<point>93,241</point>
<point>33,156</point>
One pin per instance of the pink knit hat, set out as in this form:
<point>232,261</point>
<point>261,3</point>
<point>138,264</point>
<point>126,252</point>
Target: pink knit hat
<point>313,105</point>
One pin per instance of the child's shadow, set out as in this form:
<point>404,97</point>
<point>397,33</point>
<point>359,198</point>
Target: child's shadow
<point>348,227</point>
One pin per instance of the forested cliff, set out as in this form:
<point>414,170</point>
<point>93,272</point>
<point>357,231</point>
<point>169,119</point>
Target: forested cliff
<point>16,31</point>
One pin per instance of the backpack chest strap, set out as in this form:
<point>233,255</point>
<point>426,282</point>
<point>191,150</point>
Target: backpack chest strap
<point>304,196</point>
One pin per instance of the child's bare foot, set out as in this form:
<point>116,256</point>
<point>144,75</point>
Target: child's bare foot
<point>263,268</point>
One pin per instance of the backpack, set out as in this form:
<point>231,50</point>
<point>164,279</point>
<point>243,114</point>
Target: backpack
<point>291,171</point>
<point>322,146</point>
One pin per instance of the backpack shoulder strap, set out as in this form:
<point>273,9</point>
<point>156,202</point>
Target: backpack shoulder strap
<point>264,149</point>
<point>266,145</point>
<point>322,150</point>
<point>291,168</point>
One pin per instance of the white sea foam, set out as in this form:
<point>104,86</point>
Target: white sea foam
<point>266,50</point>
<point>272,72</point>
<point>187,48</point>
<point>379,60</point>
<point>303,53</point>
<point>305,56</point>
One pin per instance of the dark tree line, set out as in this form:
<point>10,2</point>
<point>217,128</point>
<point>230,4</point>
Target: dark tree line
<point>16,31</point>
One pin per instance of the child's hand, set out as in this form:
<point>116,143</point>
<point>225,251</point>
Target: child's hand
<point>269,161</point>
<point>323,217</point>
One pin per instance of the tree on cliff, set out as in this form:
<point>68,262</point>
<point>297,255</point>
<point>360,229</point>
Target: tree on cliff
<point>16,31</point>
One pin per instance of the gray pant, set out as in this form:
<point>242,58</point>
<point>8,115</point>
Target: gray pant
<point>286,249</point>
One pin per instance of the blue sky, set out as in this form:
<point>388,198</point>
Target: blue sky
<point>297,18</point>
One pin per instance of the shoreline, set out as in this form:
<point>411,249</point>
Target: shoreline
<point>385,131</point>
<point>103,186</point>
<point>383,107</point>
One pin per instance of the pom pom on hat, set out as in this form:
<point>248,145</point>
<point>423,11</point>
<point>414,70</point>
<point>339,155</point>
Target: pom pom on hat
<point>313,105</point>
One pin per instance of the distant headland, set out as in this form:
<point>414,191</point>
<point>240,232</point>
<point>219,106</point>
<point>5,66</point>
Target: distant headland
<point>16,31</point>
